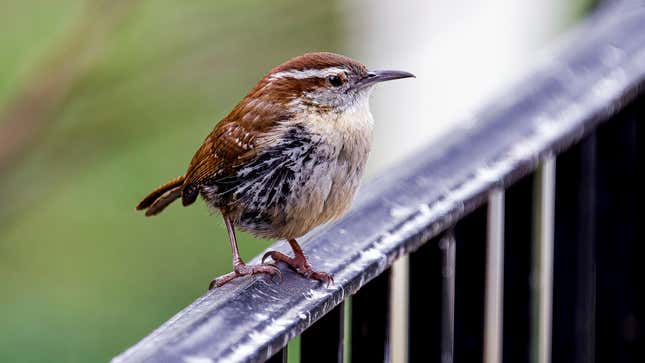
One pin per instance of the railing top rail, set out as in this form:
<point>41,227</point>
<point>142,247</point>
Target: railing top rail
<point>595,71</point>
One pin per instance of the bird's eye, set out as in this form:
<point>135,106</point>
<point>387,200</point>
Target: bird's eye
<point>335,81</point>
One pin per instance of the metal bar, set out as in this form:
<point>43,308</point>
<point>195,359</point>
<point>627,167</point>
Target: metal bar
<point>448,248</point>
<point>399,302</point>
<point>574,289</point>
<point>370,319</point>
<point>470,237</point>
<point>347,327</point>
<point>494,278</point>
<point>543,262</point>
<point>279,357</point>
<point>431,310</point>
<point>324,341</point>
<point>589,78</point>
<point>585,314</point>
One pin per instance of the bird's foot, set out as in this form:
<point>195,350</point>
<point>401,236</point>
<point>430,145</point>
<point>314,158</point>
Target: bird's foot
<point>244,270</point>
<point>301,265</point>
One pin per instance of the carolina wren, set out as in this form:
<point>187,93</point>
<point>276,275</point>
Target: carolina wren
<point>286,159</point>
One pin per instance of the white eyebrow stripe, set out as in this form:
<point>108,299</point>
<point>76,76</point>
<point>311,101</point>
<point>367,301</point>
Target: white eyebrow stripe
<point>307,73</point>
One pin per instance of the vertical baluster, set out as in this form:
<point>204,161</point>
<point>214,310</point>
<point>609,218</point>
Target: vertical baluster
<point>370,321</point>
<point>399,303</point>
<point>279,357</point>
<point>585,325</point>
<point>543,260</point>
<point>448,248</point>
<point>494,279</point>
<point>323,341</point>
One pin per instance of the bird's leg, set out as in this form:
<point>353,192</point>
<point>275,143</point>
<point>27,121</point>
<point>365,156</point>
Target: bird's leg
<point>299,263</point>
<point>239,267</point>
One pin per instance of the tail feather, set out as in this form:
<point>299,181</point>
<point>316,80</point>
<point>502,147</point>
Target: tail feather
<point>159,198</point>
<point>163,201</point>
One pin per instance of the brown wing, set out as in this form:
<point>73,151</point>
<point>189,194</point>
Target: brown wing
<point>229,144</point>
<point>233,142</point>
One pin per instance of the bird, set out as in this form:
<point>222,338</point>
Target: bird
<point>288,158</point>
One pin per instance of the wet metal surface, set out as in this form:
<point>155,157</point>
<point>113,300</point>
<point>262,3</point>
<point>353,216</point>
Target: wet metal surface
<point>597,70</point>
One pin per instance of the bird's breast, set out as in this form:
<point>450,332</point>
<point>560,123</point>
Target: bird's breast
<point>308,176</point>
<point>343,144</point>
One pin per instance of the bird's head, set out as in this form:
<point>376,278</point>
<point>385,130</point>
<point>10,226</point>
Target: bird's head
<point>322,82</point>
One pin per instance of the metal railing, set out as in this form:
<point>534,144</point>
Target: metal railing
<point>522,232</point>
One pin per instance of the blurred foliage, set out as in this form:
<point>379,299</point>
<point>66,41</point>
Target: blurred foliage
<point>82,275</point>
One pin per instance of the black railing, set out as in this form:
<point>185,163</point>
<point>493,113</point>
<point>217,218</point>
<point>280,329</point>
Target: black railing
<point>524,231</point>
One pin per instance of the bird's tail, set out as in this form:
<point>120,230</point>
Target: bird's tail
<point>159,198</point>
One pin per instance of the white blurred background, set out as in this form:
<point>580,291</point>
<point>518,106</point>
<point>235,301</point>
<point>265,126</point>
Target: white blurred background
<point>463,52</point>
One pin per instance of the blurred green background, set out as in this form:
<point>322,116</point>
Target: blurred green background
<point>103,100</point>
<point>132,89</point>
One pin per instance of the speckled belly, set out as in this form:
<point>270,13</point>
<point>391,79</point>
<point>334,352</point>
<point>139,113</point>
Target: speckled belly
<point>291,187</point>
<point>321,189</point>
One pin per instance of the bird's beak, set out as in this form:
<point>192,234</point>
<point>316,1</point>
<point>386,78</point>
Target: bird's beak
<point>377,76</point>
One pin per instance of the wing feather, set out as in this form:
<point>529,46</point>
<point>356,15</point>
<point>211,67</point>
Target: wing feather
<point>233,142</point>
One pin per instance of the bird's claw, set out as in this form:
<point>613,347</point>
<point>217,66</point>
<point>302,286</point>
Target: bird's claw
<point>301,265</point>
<point>245,270</point>
<point>323,277</point>
<point>275,256</point>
